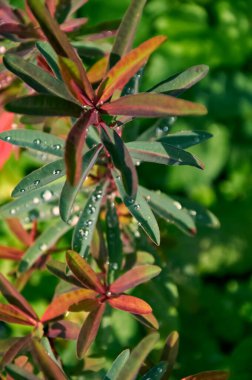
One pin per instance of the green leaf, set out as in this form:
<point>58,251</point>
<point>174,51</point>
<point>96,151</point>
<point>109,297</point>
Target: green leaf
<point>170,210</point>
<point>114,241</point>
<point>179,83</point>
<point>43,105</point>
<point>59,269</point>
<point>85,227</point>
<point>121,159</point>
<point>137,357</point>
<point>36,78</point>
<point>70,192</point>
<point>117,365</point>
<point>30,203</point>
<point>157,130</point>
<point>186,139</point>
<point>126,31</point>
<point>41,141</point>
<point>156,373</point>
<point>47,174</point>
<point>19,373</point>
<point>140,209</point>
<point>43,243</point>
<point>50,56</point>
<point>161,153</point>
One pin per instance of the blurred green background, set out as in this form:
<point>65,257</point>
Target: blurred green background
<point>205,290</point>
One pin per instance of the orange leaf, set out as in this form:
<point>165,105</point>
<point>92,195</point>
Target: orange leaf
<point>209,375</point>
<point>11,314</point>
<point>131,304</point>
<point>127,67</point>
<point>97,72</point>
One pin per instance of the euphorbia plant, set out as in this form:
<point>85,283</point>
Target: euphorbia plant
<point>89,182</point>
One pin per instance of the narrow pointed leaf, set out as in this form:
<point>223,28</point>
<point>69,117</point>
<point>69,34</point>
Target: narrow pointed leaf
<point>11,294</point>
<point>62,10</point>
<point>140,209</point>
<point>58,40</point>
<point>70,192</point>
<point>43,243</point>
<point>18,230</point>
<point>162,153</point>
<point>185,139</point>
<point>127,67</point>
<point>170,352</point>
<point>137,357</point>
<point>63,329</point>
<point>170,210</point>
<point>59,269</point>
<point>127,30</point>
<point>74,147</point>
<point>84,273</point>
<point>19,373</point>
<point>134,277</point>
<point>12,314</point>
<point>152,105</point>
<point>148,320</point>
<point>10,253</point>
<point>114,241</point>
<point>85,227</point>
<point>41,141</point>
<point>117,365</point>
<point>156,373</point>
<point>14,350</point>
<point>89,330</point>
<point>46,174</point>
<point>35,77</point>
<point>209,375</point>
<point>50,56</point>
<point>70,26</point>
<point>43,105</point>
<point>130,304</point>
<point>49,367</point>
<point>121,159</point>
<point>179,83</point>
<point>60,304</point>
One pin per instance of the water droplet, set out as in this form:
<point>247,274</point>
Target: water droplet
<point>37,141</point>
<point>36,183</point>
<point>177,205</point>
<point>114,266</point>
<point>7,138</point>
<point>43,247</point>
<point>46,195</point>
<point>137,234</point>
<point>108,294</point>
<point>55,211</point>
<point>57,146</point>
<point>88,223</point>
<point>56,172</point>
<point>33,214</point>
<point>148,198</point>
<point>138,163</point>
<point>36,200</point>
<point>84,233</point>
<point>136,206</point>
<point>129,200</point>
<point>192,212</point>
<point>22,190</point>
<point>160,370</point>
<point>91,209</point>
<point>118,177</point>
<point>13,211</point>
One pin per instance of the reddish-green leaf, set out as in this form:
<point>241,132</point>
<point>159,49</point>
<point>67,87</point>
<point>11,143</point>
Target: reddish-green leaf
<point>61,303</point>
<point>19,231</point>
<point>128,66</point>
<point>59,269</point>
<point>82,270</point>
<point>12,314</point>
<point>64,330</point>
<point>209,375</point>
<point>89,330</point>
<point>97,72</point>
<point>49,367</point>
<point>15,298</point>
<point>59,40</point>
<point>170,352</point>
<point>148,320</point>
<point>14,349</point>
<point>130,304</point>
<point>134,277</point>
<point>19,373</point>
<point>153,105</point>
<point>10,253</point>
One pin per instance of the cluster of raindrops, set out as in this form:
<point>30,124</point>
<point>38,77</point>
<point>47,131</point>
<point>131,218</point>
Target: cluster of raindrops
<point>164,126</point>
<point>84,230</point>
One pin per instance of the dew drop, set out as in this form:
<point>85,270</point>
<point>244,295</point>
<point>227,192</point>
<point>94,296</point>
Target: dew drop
<point>177,205</point>
<point>37,141</point>
<point>84,233</point>
<point>57,146</point>
<point>148,198</point>
<point>108,294</point>
<point>47,195</point>
<point>36,200</point>
<point>136,206</point>
<point>33,214</point>
<point>91,209</point>
<point>137,234</point>
<point>138,163</point>
<point>36,183</point>
<point>192,212</point>
<point>43,247</point>
<point>13,211</point>
<point>56,172</point>
<point>114,266</point>
<point>55,211</point>
<point>7,138</point>
<point>129,200</point>
<point>118,177</point>
<point>88,223</point>
<point>22,190</point>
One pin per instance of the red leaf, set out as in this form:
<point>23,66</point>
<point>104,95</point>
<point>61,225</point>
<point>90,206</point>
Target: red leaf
<point>73,25</point>
<point>17,228</point>
<point>6,120</point>
<point>12,314</point>
<point>97,72</point>
<point>63,329</point>
<point>134,277</point>
<point>152,105</point>
<point>148,320</point>
<point>15,298</point>
<point>89,330</point>
<point>14,349</point>
<point>209,375</point>
<point>60,304</point>
<point>131,304</point>
<point>10,253</point>
<point>84,273</point>
<point>127,67</point>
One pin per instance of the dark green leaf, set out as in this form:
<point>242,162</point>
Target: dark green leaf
<point>43,105</point>
<point>186,139</point>
<point>50,56</point>
<point>114,241</point>
<point>117,365</point>
<point>140,209</point>
<point>156,373</point>
<point>158,130</point>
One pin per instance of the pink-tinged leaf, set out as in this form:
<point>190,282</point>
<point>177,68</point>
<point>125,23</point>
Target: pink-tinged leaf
<point>97,72</point>
<point>170,352</point>
<point>51,6</point>
<point>127,67</point>
<point>10,253</point>
<point>63,329</point>
<point>22,31</point>
<point>148,320</point>
<point>6,120</point>
<point>12,314</point>
<point>89,330</point>
<point>130,304</point>
<point>60,304</point>
<point>59,40</point>
<point>74,146</point>
<point>209,375</point>
<point>15,298</point>
<point>153,105</point>
<point>73,25</point>
<point>14,349</point>
<point>49,367</point>
<point>84,273</point>
<point>134,277</point>
<point>76,4</point>
<point>18,230</point>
